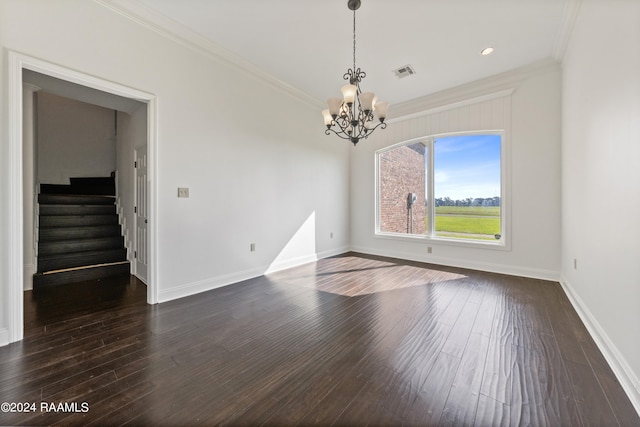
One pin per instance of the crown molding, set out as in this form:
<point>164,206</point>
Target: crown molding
<point>569,15</point>
<point>143,15</point>
<point>477,90</point>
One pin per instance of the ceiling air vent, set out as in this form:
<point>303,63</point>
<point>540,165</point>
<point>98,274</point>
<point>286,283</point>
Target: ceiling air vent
<point>405,71</point>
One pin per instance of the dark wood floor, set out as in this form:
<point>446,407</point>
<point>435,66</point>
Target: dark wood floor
<point>350,340</point>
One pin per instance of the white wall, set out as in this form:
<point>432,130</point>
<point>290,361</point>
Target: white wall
<point>601,179</point>
<point>256,174</point>
<point>75,139</point>
<point>533,121</point>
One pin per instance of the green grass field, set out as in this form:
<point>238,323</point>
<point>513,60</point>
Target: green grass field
<point>469,210</point>
<point>474,222</point>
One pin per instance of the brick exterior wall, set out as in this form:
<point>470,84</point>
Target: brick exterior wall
<point>402,171</point>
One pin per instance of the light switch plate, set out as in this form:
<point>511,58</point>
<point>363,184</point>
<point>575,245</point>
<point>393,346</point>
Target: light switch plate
<point>183,192</point>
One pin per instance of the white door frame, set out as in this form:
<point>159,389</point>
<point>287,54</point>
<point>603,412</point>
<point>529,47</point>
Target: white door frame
<point>14,242</point>
<point>136,216</point>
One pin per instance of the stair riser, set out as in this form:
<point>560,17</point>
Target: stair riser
<point>74,233</point>
<point>99,185</point>
<point>55,189</point>
<point>79,259</point>
<point>77,210</point>
<point>77,220</point>
<point>60,199</point>
<point>67,246</point>
<point>81,275</point>
<point>93,186</point>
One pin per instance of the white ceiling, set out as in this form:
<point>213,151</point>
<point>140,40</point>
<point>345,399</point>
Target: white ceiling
<point>307,44</point>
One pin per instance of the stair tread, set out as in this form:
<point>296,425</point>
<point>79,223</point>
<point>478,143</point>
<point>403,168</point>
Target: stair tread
<point>94,272</point>
<point>82,226</point>
<point>64,210</point>
<point>75,199</point>
<point>80,245</point>
<point>83,267</point>
<point>82,220</point>
<point>83,232</point>
<point>103,238</point>
<point>66,260</point>
<point>85,253</point>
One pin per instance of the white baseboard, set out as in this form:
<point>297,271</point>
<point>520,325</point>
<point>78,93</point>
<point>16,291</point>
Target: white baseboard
<point>29,271</point>
<point>333,252</point>
<point>625,375</point>
<point>4,336</point>
<point>294,262</point>
<point>229,279</point>
<point>472,265</point>
<point>289,263</point>
<point>193,288</point>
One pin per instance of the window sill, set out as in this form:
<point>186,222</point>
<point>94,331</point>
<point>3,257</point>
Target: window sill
<point>475,244</point>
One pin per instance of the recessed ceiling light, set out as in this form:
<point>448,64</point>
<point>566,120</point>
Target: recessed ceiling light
<point>486,51</point>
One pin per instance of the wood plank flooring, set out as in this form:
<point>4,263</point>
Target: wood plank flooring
<point>348,340</point>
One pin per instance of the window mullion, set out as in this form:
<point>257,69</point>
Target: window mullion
<point>431,211</point>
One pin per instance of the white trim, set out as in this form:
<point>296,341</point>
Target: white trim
<point>153,279</point>
<point>470,101</point>
<point>211,283</point>
<point>18,62</point>
<point>290,263</point>
<point>428,240</point>
<point>569,15</point>
<point>4,336</point>
<point>505,188</point>
<point>333,252</point>
<point>205,285</point>
<point>473,90</point>
<point>15,281</point>
<point>147,17</point>
<point>623,372</point>
<point>509,269</point>
<point>28,272</point>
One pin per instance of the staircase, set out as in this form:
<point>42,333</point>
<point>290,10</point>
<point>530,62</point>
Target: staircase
<point>79,234</point>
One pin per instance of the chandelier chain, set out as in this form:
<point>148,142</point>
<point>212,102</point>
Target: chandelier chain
<point>354,40</point>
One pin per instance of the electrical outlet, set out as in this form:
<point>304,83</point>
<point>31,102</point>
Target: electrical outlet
<point>252,247</point>
<point>331,235</point>
<point>183,192</point>
<point>429,250</point>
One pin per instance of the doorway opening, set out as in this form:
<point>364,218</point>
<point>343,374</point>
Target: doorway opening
<point>135,118</point>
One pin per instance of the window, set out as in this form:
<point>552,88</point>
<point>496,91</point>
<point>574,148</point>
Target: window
<point>443,187</point>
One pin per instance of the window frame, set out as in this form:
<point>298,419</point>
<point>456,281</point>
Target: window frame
<point>429,237</point>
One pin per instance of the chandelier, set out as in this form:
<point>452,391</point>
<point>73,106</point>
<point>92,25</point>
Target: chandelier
<point>353,117</point>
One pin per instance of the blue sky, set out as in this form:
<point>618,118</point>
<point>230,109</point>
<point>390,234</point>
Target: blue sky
<point>467,166</point>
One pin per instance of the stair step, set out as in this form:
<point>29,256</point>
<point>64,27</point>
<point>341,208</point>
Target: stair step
<point>79,234</point>
<point>75,199</point>
<point>55,189</point>
<point>49,221</point>
<point>78,259</point>
<point>95,185</point>
<point>81,245</point>
<point>77,209</point>
<point>80,274</point>
<point>75,233</point>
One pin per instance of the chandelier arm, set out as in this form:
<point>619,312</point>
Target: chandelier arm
<point>339,134</point>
